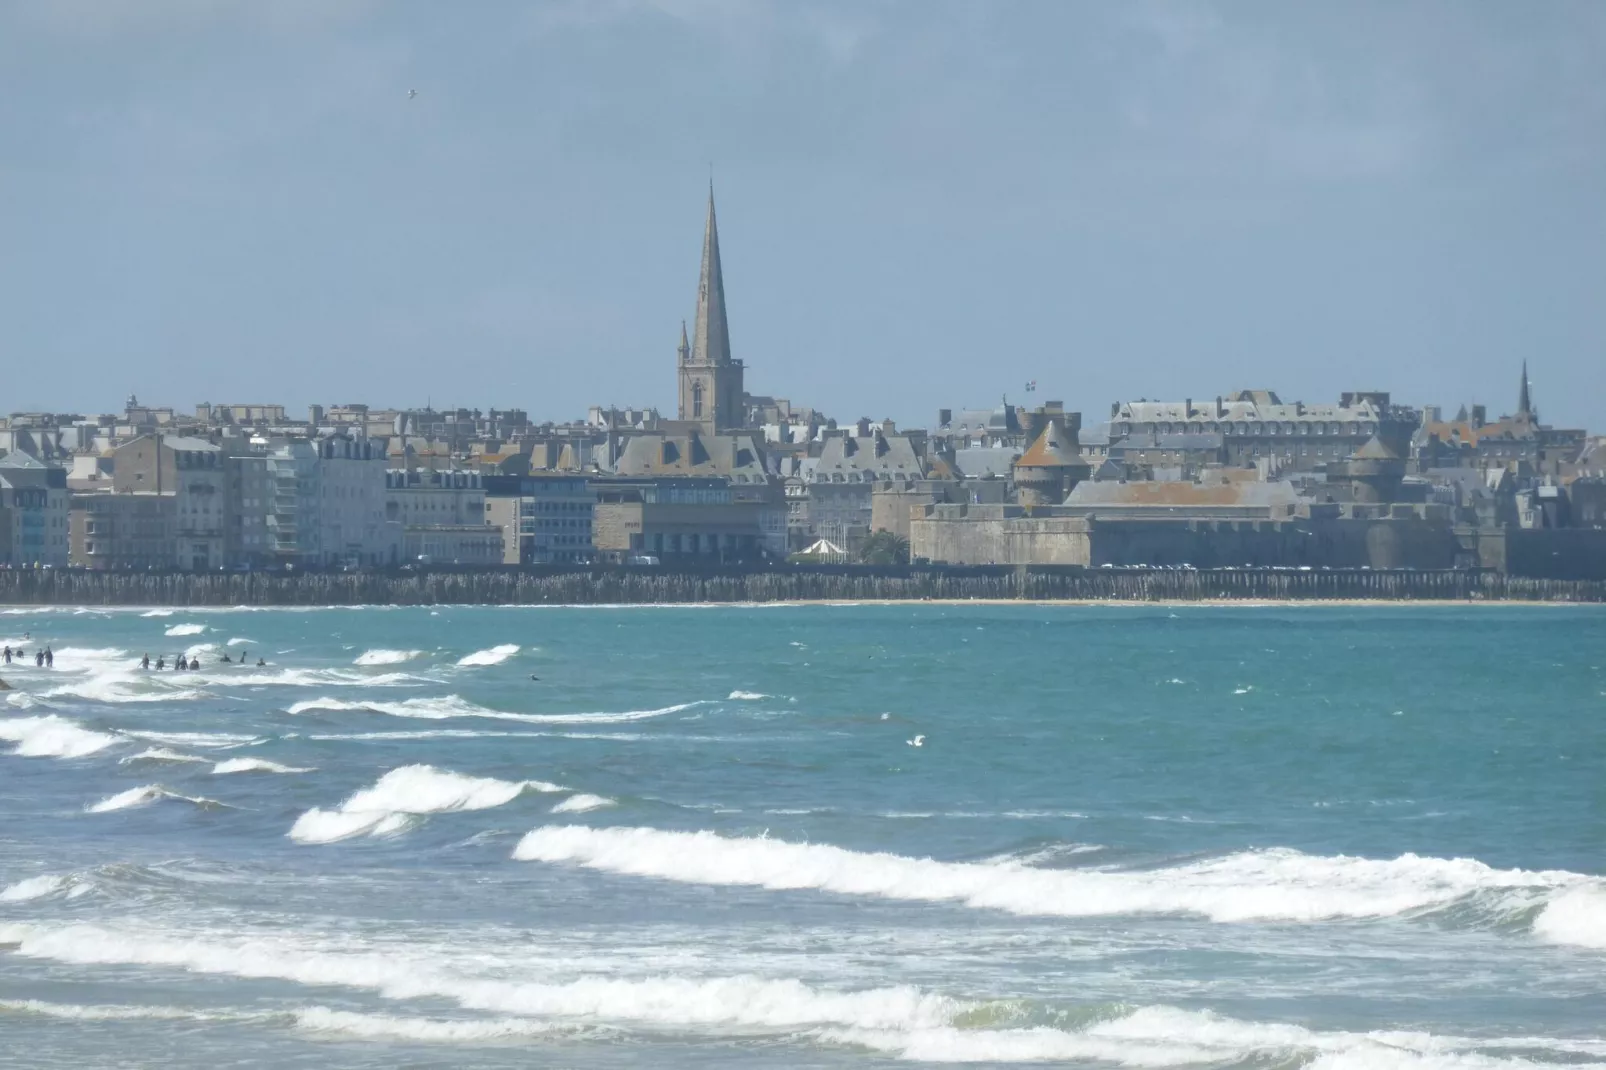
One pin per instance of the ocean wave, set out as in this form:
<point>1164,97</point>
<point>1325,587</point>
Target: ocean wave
<point>1263,885</point>
<point>213,740</point>
<point>449,706</point>
<point>579,804</point>
<point>161,754</point>
<point>747,696</point>
<point>112,1012</point>
<point>253,765</point>
<point>386,657</point>
<point>428,1030</point>
<point>185,629</point>
<point>157,613</point>
<point>43,887</point>
<point>53,737</point>
<point>494,656</point>
<point>140,796</point>
<point>411,790</point>
<point>901,1021</point>
<point>1576,917</point>
<point>241,640</point>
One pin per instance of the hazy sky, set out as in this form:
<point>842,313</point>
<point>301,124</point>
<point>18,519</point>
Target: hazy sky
<point>922,203</point>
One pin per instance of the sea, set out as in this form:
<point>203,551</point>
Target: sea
<point>835,836</point>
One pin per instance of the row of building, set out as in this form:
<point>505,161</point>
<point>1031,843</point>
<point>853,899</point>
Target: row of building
<point>1240,478</point>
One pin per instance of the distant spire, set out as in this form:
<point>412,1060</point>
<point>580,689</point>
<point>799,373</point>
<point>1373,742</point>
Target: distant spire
<point>685,346</point>
<point>711,334</point>
<point>1524,398</point>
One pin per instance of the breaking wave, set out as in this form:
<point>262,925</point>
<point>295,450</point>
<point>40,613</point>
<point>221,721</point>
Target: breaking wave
<point>42,887</point>
<point>185,629</point>
<point>388,807</point>
<point>157,613</point>
<point>901,1021</point>
<point>494,656</point>
<point>386,657</point>
<point>747,696</point>
<point>140,796</point>
<point>253,765</point>
<point>448,706</point>
<point>579,804</point>
<point>1269,885</point>
<point>53,737</point>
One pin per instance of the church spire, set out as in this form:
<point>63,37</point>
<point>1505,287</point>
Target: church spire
<point>1524,398</point>
<point>685,346</point>
<point>711,334</point>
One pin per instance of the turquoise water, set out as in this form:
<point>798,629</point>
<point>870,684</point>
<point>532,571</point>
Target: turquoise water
<point>1157,837</point>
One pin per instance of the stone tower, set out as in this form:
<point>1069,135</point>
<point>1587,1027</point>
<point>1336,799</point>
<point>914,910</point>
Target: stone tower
<point>1053,465</point>
<point>710,381</point>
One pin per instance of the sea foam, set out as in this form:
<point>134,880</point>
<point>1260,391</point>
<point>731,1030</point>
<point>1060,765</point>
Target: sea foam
<point>579,804</point>
<point>388,806</point>
<point>53,737</point>
<point>140,796</point>
<point>185,629</point>
<point>1267,885</point>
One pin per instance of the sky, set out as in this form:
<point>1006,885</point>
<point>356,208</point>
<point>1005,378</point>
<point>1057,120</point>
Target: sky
<point>923,204</point>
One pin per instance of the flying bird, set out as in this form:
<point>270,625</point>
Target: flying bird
<point>411,93</point>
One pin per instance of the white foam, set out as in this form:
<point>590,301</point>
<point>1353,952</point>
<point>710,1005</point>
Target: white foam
<point>579,804</point>
<point>253,765</point>
<point>185,629</point>
<point>157,613</point>
<point>240,640</point>
<point>494,656</point>
<point>52,737</point>
<point>385,808</point>
<point>1269,885</point>
<point>747,696</point>
<point>386,657</point>
<point>109,1013</point>
<point>449,706</point>
<point>1576,917</point>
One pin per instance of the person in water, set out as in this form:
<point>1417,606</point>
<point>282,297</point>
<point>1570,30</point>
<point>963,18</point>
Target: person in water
<point>227,660</point>
<point>50,659</point>
<point>39,658</point>
<point>145,662</point>
<point>195,664</point>
<point>161,662</point>
<point>8,653</point>
<point>260,662</point>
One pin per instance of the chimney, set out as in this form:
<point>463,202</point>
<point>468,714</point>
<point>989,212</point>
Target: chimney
<point>945,417</point>
<point>1221,410</point>
<point>1480,415</point>
<point>1187,409</point>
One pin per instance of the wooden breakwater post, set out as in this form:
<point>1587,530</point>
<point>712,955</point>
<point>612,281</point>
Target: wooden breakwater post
<point>840,583</point>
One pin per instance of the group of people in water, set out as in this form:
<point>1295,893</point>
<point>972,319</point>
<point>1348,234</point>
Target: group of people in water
<point>192,663</point>
<point>45,658</point>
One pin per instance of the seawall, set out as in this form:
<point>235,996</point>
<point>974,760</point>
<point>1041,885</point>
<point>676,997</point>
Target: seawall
<point>801,583</point>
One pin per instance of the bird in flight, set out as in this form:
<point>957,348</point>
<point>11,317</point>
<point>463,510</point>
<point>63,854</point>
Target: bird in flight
<point>411,93</point>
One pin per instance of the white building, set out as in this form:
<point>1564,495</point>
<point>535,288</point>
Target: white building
<point>33,512</point>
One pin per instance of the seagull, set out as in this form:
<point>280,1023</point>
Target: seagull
<point>411,93</point>
<point>918,741</point>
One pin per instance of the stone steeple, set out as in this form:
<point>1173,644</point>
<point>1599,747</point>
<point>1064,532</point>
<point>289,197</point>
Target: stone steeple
<point>711,342</point>
<point>1525,406</point>
<point>711,393</point>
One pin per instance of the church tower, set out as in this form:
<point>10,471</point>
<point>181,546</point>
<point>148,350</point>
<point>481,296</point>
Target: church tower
<point>1525,404</point>
<point>710,381</point>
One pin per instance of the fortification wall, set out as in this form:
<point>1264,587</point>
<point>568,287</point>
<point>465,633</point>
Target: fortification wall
<point>556,586</point>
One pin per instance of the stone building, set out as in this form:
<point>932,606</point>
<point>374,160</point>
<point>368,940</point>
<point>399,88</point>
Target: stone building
<point>677,519</point>
<point>192,472</point>
<point>1052,466</point>
<point>1256,426</point>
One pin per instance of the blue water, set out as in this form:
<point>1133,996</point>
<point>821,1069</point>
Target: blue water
<point>1196,837</point>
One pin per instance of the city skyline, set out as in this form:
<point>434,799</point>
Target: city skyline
<point>215,204</point>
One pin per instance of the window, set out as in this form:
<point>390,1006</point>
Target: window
<point>697,401</point>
